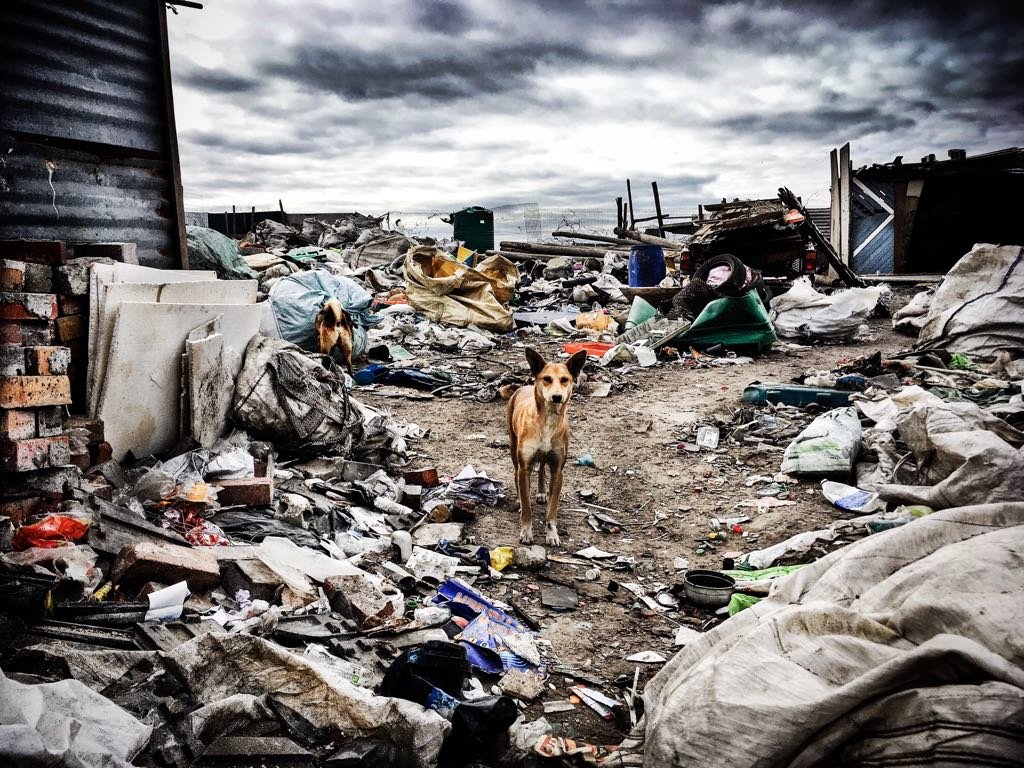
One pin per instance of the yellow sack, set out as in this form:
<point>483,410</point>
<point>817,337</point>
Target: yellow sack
<point>453,294</point>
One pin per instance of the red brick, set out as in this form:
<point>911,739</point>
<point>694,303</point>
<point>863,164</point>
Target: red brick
<point>72,305</point>
<point>253,576</point>
<point>28,278</point>
<point>26,333</point>
<point>34,391</point>
<point>34,453</point>
<point>69,328</point>
<point>52,252</point>
<point>81,460</point>
<point>47,361</point>
<point>20,510</point>
<point>28,306</point>
<point>49,421</point>
<point>100,453</point>
<point>17,425</point>
<point>168,564</point>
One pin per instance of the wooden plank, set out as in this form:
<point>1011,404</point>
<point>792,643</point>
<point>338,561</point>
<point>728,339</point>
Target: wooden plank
<point>657,209</point>
<point>834,225</point>
<point>844,204</point>
<point>632,208</point>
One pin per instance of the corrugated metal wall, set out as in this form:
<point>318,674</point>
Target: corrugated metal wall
<point>86,129</point>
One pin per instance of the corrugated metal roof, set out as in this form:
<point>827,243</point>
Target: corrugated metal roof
<point>82,88</point>
<point>822,218</point>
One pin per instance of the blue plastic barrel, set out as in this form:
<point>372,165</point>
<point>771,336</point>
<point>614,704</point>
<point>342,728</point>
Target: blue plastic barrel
<point>646,266</point>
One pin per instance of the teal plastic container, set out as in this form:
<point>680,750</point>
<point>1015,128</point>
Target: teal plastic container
<point>795,394</point>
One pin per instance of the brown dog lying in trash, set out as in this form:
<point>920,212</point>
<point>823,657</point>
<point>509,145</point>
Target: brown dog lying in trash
<point>334,329</point>
<point>538,431</point>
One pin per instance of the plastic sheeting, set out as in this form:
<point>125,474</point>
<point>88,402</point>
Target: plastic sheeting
<point>209,249</point>
<point>453,294</point>
<point>289,398</point>
<point>978,308</point>
<point>802,312</point>
<point>294,301</point>
<point>215,667</point>
<point>67,724</point>
<point>964,455</point>
<point>900,649</point>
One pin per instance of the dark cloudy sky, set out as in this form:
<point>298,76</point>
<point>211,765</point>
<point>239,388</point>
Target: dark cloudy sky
<point>421,105</point>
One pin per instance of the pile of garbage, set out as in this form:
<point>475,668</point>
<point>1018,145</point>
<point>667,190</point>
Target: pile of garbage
<point>282,577</point>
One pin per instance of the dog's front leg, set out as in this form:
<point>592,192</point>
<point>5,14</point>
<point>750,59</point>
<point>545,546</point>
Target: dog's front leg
<point>525,513</point>
<point>542,484</point>
<point>554,492</point>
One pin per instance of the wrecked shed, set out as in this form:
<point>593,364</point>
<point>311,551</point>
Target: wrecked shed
<point>87,130</point>
<point>920,218</point>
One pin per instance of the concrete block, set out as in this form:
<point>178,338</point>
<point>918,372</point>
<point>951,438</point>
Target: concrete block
<point>52,252</point>
<point>34,453</point>
<point>168,564</point>
<point>47,361</point>
<point>12,361</point>
<point>49,421</point>
<point>52,483</point>
<point>17,424</point>
<point>34,391</point>
<point>69,328</point>
<point>359,599</point>
<point>72,279</point>
<point>26,333</point>
<point>16,305</point>
<point>126,253</point>
<point>252,575</point>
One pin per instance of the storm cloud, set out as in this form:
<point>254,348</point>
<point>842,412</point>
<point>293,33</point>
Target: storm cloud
<point>423,106</point>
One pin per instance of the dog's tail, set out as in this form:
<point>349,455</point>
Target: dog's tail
<point>333,314</point>
<point>507,391</point>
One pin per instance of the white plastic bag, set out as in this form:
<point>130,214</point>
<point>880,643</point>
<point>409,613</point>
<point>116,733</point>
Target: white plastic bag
<point>803,312</point>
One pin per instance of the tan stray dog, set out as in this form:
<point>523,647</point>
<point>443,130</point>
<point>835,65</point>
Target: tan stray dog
<point>538,431</point>
<point>334,328</point>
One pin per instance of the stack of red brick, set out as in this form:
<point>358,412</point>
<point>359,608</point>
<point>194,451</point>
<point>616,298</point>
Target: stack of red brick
<point>34,384</point>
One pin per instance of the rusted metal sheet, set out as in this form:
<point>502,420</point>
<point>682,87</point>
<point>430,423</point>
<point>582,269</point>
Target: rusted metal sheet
<point>86,126</point>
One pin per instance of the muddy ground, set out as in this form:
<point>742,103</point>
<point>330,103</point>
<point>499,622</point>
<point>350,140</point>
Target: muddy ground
<point>665,497</point>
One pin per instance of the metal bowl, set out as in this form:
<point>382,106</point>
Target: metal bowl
<point>710,589</point>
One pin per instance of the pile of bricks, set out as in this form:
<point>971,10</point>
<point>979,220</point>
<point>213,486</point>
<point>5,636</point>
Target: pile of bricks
<point>35,388</point>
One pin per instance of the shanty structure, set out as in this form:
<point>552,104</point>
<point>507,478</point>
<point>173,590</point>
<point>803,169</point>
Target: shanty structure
<point>88,150</point>
<point>920,218</point>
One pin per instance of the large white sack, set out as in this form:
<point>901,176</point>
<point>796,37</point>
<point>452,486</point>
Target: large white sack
<point>803,312</point>
<point>978,308</point>
<point>901,648</point>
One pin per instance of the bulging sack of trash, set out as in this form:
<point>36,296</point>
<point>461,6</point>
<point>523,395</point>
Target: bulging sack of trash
<point>209,249</point>
<point>827,447</point>
<point>291,308</point>
<point>452,293</point>
<point>289,398</point>
<point>803,312</point>
<point>910,319</point>
<point>977,308</point>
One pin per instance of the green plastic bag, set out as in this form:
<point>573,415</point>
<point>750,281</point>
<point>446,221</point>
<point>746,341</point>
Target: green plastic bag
<point>209,249</point>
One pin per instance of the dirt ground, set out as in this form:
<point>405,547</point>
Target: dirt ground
<point>665,498</point>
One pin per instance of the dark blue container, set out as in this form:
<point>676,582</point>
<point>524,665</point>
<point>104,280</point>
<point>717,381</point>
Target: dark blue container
<point>646,266</point>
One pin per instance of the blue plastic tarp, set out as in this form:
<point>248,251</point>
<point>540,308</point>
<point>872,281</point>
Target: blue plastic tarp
<point>296,299</point>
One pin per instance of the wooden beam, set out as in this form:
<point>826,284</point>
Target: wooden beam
<point>632,208</point>
<point>845,246</point>
<point>595,238</point>
<point>632,234</point>
<point>833,160</point>
<point>657,209</point>
<point>846,274</point>
<point>553,249</point>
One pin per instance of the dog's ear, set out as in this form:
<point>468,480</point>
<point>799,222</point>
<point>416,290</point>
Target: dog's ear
<point>535,360</point>
<point>576,362</point>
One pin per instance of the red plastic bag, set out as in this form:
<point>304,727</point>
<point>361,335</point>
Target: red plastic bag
<point>53,531</point>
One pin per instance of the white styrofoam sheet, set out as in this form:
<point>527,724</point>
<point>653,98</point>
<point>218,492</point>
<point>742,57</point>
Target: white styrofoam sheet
<point>140,402</point>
